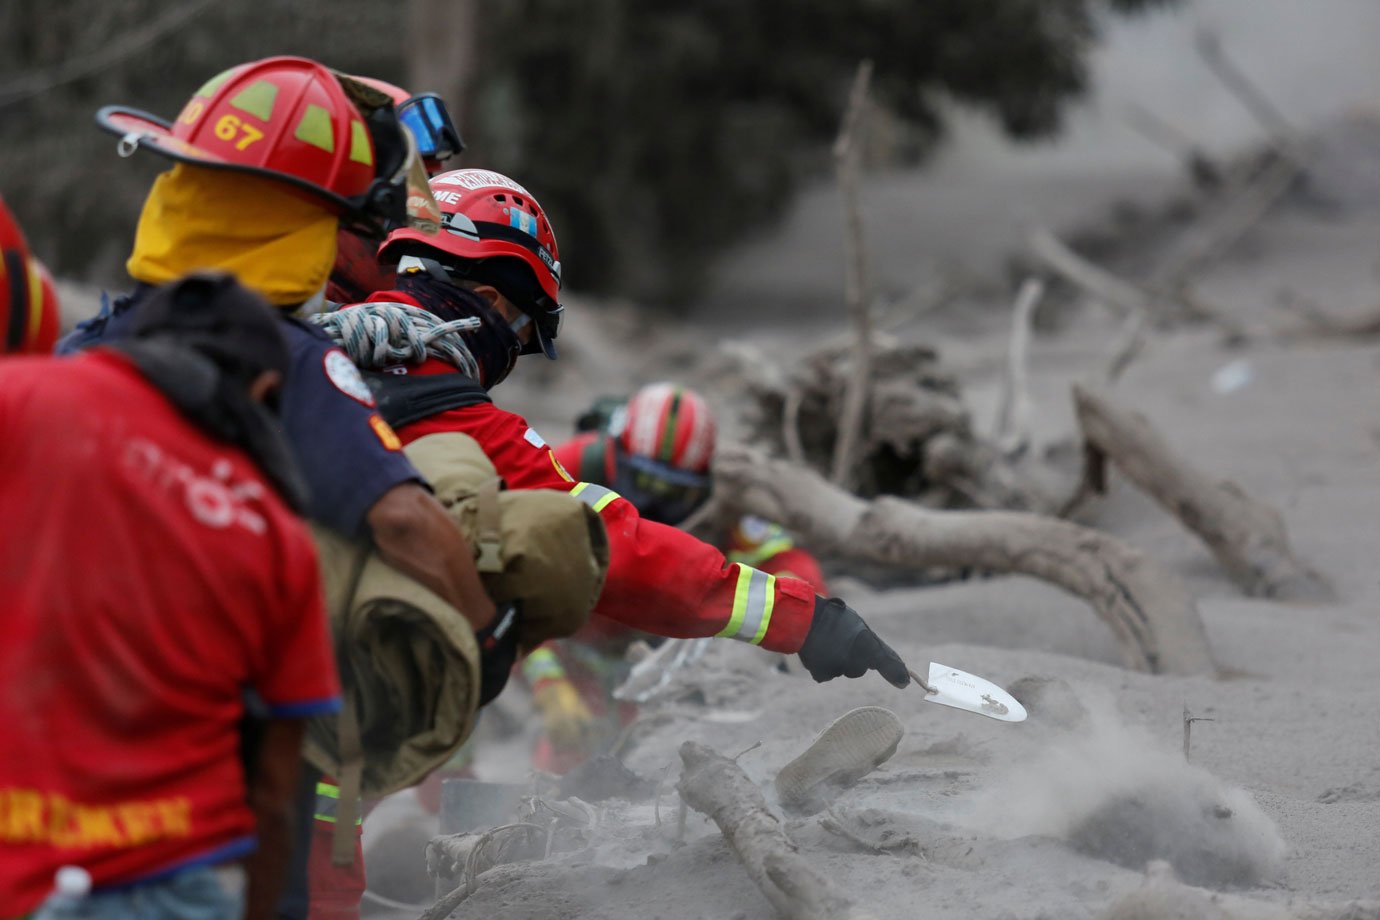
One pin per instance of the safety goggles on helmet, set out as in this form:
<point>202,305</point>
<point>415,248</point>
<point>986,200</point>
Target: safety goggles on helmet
<point>660,492</point>
<point>425,115</point>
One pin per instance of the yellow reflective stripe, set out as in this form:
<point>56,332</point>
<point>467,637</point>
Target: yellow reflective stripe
<point>753,600</point>
<point>768,603</point>
<point>361,149</point>
<point>763,552</point>
<point>327,800</point>
<point>542,665</point>
<point>597,497</point>
<point>257,99</point>
<point>213,84</point>
<point>315,128</point>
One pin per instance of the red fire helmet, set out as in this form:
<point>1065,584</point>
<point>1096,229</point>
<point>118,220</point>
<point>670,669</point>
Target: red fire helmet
<point>296,121</point>
<point>29,313</point>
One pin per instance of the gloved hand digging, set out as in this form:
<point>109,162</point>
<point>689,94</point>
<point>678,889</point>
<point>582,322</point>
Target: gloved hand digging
<point>840,644</point>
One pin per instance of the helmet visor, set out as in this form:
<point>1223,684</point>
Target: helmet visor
<point>425,115</point>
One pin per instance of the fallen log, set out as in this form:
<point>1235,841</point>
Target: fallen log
<point>717,787</point>
<point>1155,621</point>
<point>1247,537</point>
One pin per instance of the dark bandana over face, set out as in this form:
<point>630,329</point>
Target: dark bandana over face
<point>495,345</point>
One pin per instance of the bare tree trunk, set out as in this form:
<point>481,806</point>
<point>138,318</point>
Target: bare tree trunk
<point>1149,610</point>
<point>442,52</point>
<point>1012,431</point>
<point>716,786</point>
<point>1246,536</point>
<point>857,292</point>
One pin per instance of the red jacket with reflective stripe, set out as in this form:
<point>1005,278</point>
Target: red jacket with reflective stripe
<point>661,580</point>
<point>589,456</point>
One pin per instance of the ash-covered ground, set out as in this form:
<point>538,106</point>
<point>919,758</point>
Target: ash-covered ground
<point>1057,817</point>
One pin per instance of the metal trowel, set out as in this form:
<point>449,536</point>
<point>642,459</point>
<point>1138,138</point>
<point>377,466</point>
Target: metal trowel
<point>951,687</point>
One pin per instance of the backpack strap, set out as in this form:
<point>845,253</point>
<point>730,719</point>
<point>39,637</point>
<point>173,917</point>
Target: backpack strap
<point>407,398</point>
<point>344,833</point>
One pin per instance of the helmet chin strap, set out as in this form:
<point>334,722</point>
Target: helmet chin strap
<point>518,324</point>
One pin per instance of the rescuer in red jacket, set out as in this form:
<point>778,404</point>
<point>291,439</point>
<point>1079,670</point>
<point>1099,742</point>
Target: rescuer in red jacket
<point>654,450</point>
<point>469,301</point>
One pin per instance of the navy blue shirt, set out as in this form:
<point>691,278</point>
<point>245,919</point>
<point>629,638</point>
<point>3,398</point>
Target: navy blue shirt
<point>347,455</point>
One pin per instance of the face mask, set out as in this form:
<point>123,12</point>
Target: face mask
<point>494,344</point>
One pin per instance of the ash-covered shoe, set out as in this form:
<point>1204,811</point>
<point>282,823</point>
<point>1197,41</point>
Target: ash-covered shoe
<point>849,749</point>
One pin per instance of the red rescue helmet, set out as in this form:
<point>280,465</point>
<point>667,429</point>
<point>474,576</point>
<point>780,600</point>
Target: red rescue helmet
<point>492,231</point>
<point>670,424</point>
<point>28,300</point>
<point>294,120</point>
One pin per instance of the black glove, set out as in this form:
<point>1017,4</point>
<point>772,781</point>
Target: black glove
<point>840,644</point>
<point>498,647</point>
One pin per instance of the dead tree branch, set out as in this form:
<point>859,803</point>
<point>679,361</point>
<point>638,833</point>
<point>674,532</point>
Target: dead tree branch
<point>1126,298</point>
<point>1129,345</point>
<point>1012,432</point>
<point>1247,537</point>
<point>1244,210</point>
<point>1155,621</point>
<point>1281,133</point>
<point>1324,325</point>
<point>1121,297</point>
<point>856,289</point>
<point>717,787</point>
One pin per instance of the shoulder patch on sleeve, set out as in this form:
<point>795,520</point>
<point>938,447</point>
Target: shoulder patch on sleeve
<point>346,378</point>
<point>560,470</point>
<point>531,437</point>
<point>385,432</point>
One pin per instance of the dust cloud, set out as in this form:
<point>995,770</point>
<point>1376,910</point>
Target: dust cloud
<point>1115,792</point>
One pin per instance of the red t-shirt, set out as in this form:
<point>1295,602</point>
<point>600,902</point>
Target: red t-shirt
<point>148,575</point>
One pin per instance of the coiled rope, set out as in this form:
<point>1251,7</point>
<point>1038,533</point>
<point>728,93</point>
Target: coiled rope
<point>379,335</point>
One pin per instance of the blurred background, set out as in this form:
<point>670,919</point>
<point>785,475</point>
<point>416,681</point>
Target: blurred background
<point>683,149</point>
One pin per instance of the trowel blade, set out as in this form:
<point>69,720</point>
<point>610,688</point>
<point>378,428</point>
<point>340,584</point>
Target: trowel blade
<point>961,690</point>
